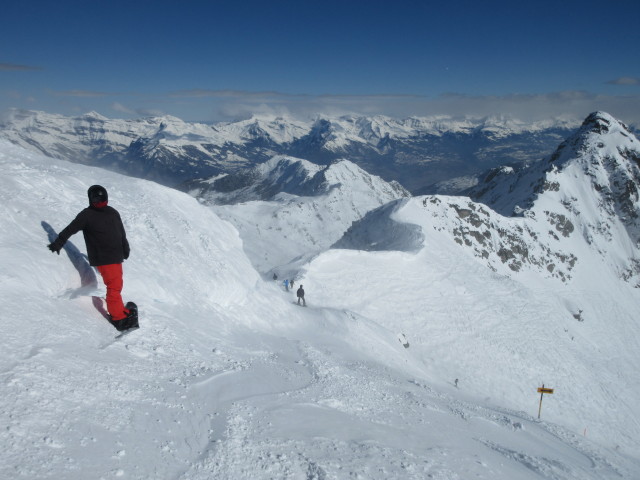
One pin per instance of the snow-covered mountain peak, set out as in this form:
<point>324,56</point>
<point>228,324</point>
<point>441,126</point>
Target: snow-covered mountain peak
<point>350,175</point>
<point>281,174</point>
<point>602,155</point>
<point>588,188</point>
<point>275,165</point>
<point>93,115</point>
<point>597,138</point>
<point>602,122</point>
<point>271,130</point>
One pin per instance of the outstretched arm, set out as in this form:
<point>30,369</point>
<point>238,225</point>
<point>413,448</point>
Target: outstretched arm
<point>74,227</point>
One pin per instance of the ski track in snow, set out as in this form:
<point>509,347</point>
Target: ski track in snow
<point>226,378</point>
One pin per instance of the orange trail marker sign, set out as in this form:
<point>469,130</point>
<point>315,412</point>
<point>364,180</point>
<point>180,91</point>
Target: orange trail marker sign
<point>542,391</point>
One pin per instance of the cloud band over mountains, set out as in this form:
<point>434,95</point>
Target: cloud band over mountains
<point>233,104</point>
<point>211,105</point>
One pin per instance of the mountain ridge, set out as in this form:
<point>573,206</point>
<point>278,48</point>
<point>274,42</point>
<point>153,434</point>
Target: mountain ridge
<point>314,204</point>
<point>416,152</point>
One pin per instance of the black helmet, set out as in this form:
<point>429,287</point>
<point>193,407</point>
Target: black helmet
<point>97,194</point>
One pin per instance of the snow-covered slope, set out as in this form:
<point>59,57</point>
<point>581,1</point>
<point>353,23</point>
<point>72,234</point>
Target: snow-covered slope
<point>228,379</point>
<point>555,311</point>
<point>501,335</point>
<point>417,152</point>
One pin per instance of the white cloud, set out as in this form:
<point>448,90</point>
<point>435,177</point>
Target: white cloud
<point>118,107</point>
<point>12,67</point>
<point>625,81</point>
<point>80,93</point>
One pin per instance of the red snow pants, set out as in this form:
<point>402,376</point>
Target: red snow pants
<point>112,277</point>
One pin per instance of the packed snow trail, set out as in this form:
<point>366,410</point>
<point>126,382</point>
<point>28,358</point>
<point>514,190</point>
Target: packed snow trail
<point>226,377</point>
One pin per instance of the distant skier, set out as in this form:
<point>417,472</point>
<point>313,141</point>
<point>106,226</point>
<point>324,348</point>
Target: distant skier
<point>275,277</point>
<point>286,284</point>
<point>107,248</point>
<point>300,294</point>
<point>291,284</point>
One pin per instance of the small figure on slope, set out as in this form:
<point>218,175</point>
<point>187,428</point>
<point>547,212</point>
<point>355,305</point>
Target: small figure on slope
<point>300,294</point>
<point>107,248</point>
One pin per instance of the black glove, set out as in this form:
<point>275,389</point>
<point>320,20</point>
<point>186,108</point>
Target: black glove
<point>54,248</point>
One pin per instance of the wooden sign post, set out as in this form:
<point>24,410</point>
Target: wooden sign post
<point>542,391</point>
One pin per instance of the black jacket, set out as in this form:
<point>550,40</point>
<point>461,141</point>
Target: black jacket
<point>103,233</point>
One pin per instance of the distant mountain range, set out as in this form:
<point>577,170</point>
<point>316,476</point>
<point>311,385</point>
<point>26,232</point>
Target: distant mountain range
<point>425,155</point>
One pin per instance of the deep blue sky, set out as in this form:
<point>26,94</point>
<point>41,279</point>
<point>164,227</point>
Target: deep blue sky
<point>220,60</point>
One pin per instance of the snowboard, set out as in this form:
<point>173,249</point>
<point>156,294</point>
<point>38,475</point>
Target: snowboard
<point>126,332</point>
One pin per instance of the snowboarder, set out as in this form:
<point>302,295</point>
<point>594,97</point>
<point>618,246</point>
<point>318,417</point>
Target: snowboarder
<point>300,294</point>
<point>107,248</point>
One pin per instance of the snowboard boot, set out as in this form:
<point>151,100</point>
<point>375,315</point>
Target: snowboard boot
<point>132,317</point>
<point>130,321</point>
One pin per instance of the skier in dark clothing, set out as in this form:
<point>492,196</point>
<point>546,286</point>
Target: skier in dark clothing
<point>300,294</point>
<point>107,248</point>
